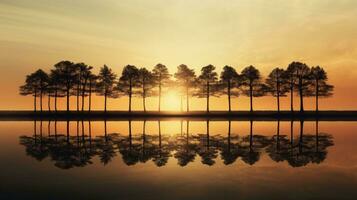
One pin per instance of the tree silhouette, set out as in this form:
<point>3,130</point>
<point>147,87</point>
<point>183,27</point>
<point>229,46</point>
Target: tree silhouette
<point>291,81</point>
<point>162,76</point>
<point>106,82</point>
<point>207,84</point>
<point>35,84</point>
<point>86,78</point>
<point>55,86</point>
<point>68,75</point>
<point>303,81</point>
<point>320,88</point>
<point>78,88</point>
<point>230,80</point>
<point>92,88</point>
<point>146,82</point>
<point>186,78</point>
<point>128,81</point>
<point>277,85</point>
<point>252,84</point>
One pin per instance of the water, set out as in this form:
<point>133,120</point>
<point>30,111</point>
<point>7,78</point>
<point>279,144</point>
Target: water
<point>170,160</point>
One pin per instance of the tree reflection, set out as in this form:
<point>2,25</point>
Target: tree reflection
<point>78,150</point>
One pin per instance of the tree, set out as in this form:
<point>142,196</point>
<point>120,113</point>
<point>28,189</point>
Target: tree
<point>291,81</point>
<point>55,84</point>
<point>146,82</point>
<point>162,76</point>
<point>230,80</point>
<point>128,81</point>
<point>35,84</point>
<point>81,68</point>
<point>186,78</point>
<point>68,75</point>
<point>86,80</point>
<point>252,84</point>
<point>207,84</point>
<point>303,86</point>
<point>320,87</point>
<point>277,84</point>
<point>106,82</point>
<point>92,87</point>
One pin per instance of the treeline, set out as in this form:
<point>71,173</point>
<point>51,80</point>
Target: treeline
<point>77,79</point>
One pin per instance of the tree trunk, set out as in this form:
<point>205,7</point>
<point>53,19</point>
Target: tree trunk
<point>67,100</point>
<point>90,98</point>
<point>229,96</point>
<point>78,91</point>
<point>35,102</point>
<point>251,96</point>
<point>144,95</point>
<point>41,95</point>
<point>130,91</point>
<point>301,96</point>
<point>317,96</point>
<point>292,132</point>
<point>105,102</point>
<point>278,95</point>
<point>187,100</point>
<point>207,93</point>
<point>49,102</point>
<point>292,99</point>
<point>56,99</point>
<point>160,95</point>
<point>83,93</point>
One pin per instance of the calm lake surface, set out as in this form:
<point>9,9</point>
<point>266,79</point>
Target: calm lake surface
<point>170,160</point>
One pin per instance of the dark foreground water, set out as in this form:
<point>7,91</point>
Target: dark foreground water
<point>178,160</point>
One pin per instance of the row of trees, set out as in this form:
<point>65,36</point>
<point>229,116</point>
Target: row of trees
<point>77,151</point>
<point>77,79</point>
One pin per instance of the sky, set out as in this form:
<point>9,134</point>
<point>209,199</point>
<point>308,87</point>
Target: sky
<point>266,34</point>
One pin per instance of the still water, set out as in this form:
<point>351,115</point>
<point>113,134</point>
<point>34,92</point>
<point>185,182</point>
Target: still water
<point>178,159</point>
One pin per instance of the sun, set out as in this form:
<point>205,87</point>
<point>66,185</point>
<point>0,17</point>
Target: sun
<point>171,101</point>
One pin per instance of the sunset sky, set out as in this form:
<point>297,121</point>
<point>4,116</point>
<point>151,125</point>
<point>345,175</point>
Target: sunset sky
<point>266,34</point>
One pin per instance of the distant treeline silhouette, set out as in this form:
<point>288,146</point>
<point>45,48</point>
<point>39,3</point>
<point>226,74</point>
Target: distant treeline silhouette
<point>68,150</point>
<point>77,79</point>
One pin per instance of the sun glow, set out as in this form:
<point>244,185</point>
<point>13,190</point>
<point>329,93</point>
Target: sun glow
<point>172,101</point>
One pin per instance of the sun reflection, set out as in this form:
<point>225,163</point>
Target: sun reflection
<point>172,101</point>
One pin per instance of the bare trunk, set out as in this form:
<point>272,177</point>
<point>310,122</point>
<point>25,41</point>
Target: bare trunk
<point>278,95</point>
<point>49,102</point>
<point>187,100</point>
<point>292,98</point>
<point>90,98</point>
<point>229,96</point>
<point>41,95</point>
<point>105,102</point>
<point>301,96</point>
<point>67,100</point>
<point>83,93</point>
<point>160,95</point>
<point>144,95</point>
<point>317,95</point>
<point>207,93</point>
<point>56,99</point>
<point>251,96</point>
<point>35,102</point>
<point>130,92</point>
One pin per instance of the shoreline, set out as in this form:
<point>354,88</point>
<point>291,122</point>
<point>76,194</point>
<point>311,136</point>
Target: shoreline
<point>174,115</point>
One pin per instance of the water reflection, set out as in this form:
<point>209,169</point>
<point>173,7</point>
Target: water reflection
<point>78,149</point>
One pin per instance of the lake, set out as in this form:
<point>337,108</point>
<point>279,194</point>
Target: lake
<point>178,159</point>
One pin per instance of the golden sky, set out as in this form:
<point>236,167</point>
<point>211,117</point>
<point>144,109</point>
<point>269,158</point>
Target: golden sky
<point>266,34</point>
